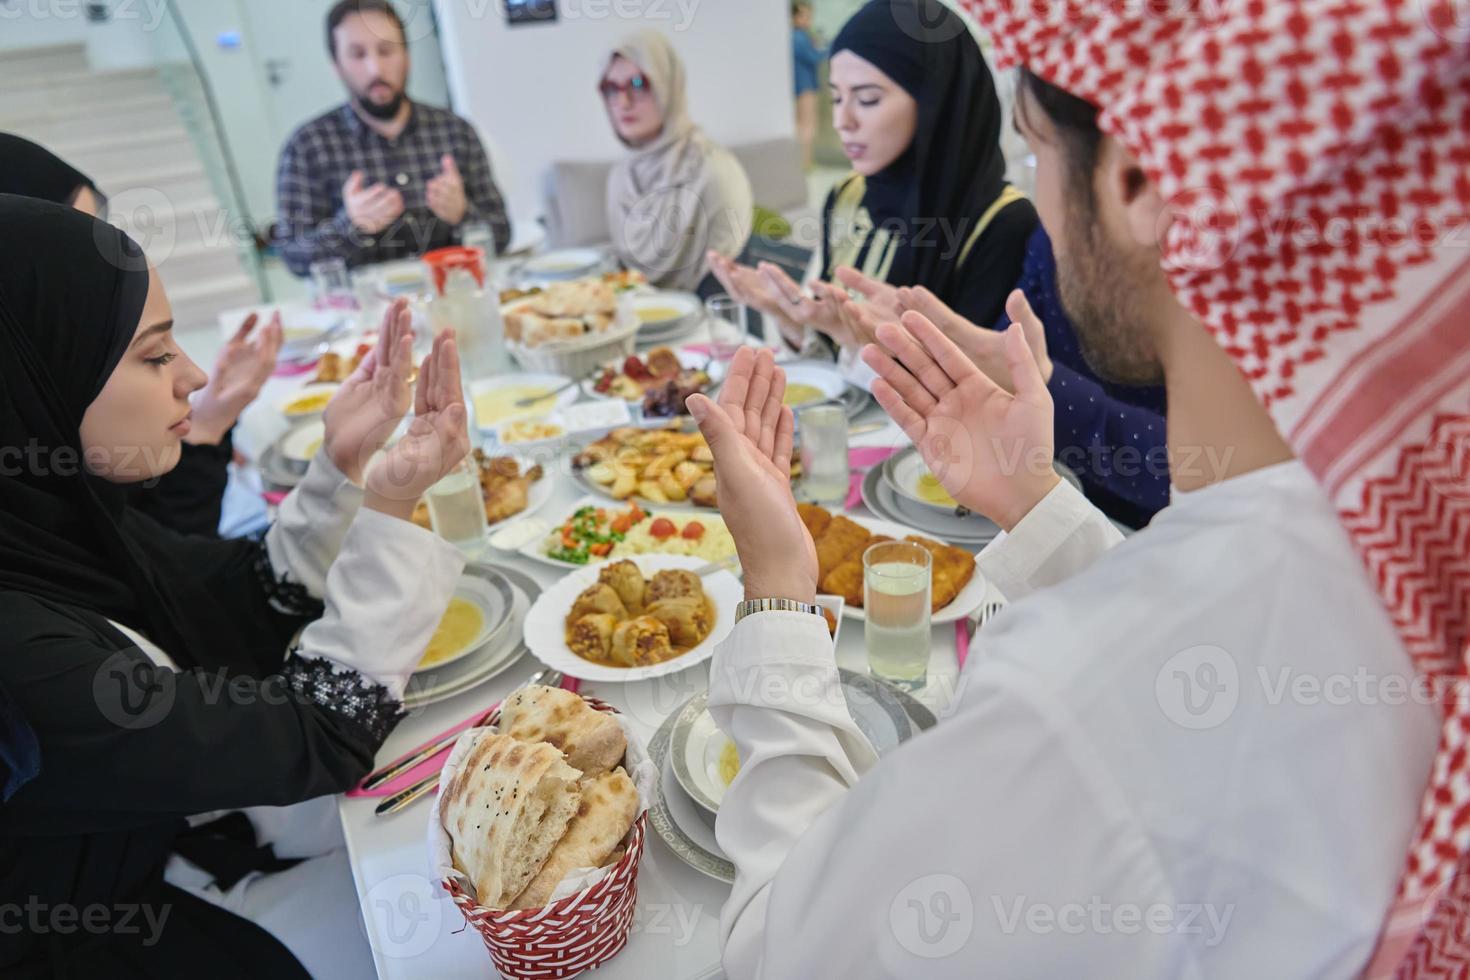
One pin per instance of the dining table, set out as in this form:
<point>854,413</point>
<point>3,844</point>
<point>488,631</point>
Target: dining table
<point>414,928</point>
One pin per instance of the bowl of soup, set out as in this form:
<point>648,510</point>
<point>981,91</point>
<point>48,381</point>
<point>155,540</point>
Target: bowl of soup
<point>308,402</point>
<point>507,397</point>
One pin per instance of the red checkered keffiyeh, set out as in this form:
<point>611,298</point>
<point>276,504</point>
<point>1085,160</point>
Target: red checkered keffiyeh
<point>1318,156</point>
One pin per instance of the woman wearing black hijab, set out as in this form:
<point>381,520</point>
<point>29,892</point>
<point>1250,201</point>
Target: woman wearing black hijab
<point>31,170</point>
<point>158,672</point>
<point>190,497</point>
<point>927,204</point>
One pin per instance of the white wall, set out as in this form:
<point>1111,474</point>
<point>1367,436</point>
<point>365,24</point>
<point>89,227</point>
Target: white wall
<point>25,24</point>
<point>531,90</point>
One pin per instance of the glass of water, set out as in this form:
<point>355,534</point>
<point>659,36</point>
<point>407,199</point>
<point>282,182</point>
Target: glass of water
<point>824,465</point>
<point>726,318</point>
<point>457,510</point>
<point>896,595</point>
<point>331,285</point>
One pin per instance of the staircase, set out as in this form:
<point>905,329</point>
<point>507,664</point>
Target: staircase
<point>144,138</point>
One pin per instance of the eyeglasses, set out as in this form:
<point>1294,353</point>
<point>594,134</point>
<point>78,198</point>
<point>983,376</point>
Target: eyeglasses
<point>636,86</point>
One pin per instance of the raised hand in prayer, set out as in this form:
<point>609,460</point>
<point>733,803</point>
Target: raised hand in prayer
<point>992,450</point>
<point>372,401</point>
<point>438,437</point>
<point>370,209</point>
<point>760,289</point>
<point>445,193</point>
<point>749,430</point>
<point>242,369</point>
<point>986,348</point>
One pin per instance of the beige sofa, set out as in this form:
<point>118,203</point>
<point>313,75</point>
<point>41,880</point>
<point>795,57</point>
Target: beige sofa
<point>575,191</point>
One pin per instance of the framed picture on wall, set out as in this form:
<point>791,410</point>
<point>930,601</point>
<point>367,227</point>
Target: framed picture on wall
<point>518,12</point>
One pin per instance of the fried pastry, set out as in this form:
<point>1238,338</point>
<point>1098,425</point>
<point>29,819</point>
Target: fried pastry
<point>952,570</point>
<point>846,579</point>
<point>673,583</point>
<point>591,637</point>
<point>598,598</point>
<point>837,543</point>
<point>687,619</point>
<point>640,642</point>
<point>815,518</point>
<point>624,578</point>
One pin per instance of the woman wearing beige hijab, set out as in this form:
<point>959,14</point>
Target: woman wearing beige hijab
<point>677,194</point>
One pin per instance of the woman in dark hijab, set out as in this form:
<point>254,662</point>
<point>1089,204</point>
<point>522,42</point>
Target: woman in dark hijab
<point>31,170</point>
<point>928,203</point>
<point>189,498</point>
<point>157,672</point>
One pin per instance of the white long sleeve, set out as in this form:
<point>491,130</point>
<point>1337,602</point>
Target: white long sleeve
<point>311,524</point>
<point>385,582</point>
<point>1099,804</point>
<point>1062,535</point>
<point>385,594</point>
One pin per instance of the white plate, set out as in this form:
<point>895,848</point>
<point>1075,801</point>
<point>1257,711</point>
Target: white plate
<point>965,603</point>
<point>300,444</point>
<point>566,263</point>
<point>546,622</point>
<point>879,498</point>
<point>696,742</point>
<point>535,549</point>
<point>685,304</point>
<point>819,376</point>
<point>550,382</point>
<point>303,329</point>
<point>541,491</point>
<point>688,359</point>
<point>489,592</point>
<point>901,474</point>
<point>315,388</point>
<point>497,656</point>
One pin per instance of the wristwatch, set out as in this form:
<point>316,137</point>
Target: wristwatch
<point>750,606</point>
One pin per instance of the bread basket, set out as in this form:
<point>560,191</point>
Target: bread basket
<point>580,357</point>
<point>571,934</point>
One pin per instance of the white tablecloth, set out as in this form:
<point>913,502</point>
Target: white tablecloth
<point>414,928</point>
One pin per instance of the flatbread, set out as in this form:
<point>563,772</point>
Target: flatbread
<point>508,805</point>
<point>609,806</point>
<point>592,740</point>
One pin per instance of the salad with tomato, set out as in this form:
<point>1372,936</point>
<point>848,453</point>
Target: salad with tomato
<point>590,533</point>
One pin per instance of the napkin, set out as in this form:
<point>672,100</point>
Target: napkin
<point>961,643</point>
<point>285,370</point>
<point>859,461</point>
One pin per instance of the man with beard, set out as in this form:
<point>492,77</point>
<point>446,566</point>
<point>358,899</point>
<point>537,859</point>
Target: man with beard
<point>380,177</point>
<point>1233,745</point>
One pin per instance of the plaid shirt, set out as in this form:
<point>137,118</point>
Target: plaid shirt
<point>323,153</point>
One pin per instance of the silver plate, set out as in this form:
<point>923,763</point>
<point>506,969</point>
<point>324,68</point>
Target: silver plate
<point>877,497</point>
<point>911,717</point>
<point>504,615</point>
<point>275,473</point>
<point>431,686</point>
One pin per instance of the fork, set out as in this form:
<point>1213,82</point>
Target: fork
<point>981,616</point>
<point>404,763</point>
<point>408,796</point>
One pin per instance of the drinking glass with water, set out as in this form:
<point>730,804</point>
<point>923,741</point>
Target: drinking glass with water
<point>896,597</point>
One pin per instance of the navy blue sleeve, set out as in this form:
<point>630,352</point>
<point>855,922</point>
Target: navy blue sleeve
<point>1109,443</point>
<point>1112,436</point>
